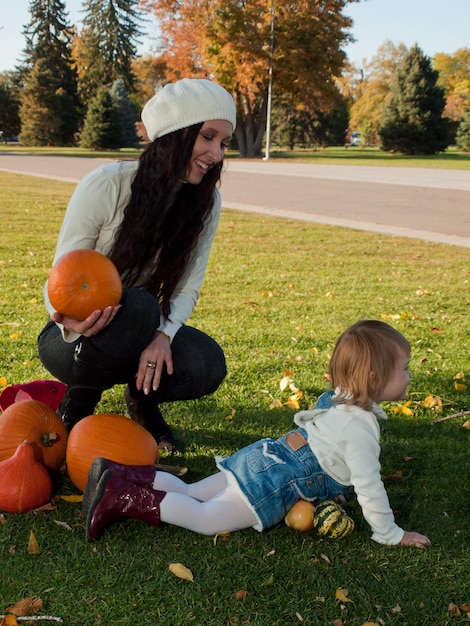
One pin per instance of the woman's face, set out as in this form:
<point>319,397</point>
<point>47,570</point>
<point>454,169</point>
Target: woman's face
<point>209,149</point>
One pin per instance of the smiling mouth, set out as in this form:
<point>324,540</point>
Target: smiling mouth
<point>203,166</point>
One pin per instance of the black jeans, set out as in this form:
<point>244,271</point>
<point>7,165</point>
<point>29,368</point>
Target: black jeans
<point>112,356</point>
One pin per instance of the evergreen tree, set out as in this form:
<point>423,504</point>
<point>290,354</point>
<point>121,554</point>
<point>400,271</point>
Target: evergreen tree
<point>463,133</point>
<point>412,122</point>
<point>127,113</point>
<point>48,53</point>
<point>108,44</point>
<point>9,108</point>
<point>102,127</point>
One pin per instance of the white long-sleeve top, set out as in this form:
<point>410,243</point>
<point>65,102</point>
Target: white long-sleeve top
<point>346,441</point>
<point>95,212</point>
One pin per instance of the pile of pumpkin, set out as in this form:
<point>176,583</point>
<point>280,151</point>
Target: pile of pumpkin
<point>33,441</point>
<point>328,518</point>
<point>34,446</point>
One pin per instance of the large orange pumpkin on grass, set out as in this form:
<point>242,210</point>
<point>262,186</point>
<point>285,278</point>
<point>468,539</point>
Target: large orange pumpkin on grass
<point>114,437</point>
<point>33,421</point>
<point>83,281</point>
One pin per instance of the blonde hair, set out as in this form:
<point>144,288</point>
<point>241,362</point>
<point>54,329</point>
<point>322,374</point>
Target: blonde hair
<point>363,360</point>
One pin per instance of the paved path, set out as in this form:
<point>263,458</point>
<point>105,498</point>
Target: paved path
<point>430,204</point>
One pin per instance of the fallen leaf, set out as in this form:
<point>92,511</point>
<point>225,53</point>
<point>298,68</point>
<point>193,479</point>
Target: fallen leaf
<point>232,414</point>
<point>223,536</point>
<point>33,545</point>
<point>407,459</point>
<point>393,475</point>
<point>63,524</point>
<point>465,607</point>
<point>466,424</point>
<point>396,609</point>
<point>76,498</point>
<point>241,595</point>
<point>459,376</point>
<point>403,408</point>
<point>459,386</point>
<point>325,558</point>
<point>299,617</point>
<point>26,606</point>
<point>292,404</point>
<point>342,595</point>
<point>454,610</point>
<point>180,570</point>
<point>49,506</point>
<point>430,402</point>
<point>285,382</point>
<point>269,581</point>
<point>9,620</point>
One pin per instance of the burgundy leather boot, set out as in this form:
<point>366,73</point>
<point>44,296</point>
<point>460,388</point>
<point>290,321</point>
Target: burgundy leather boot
<point>116,497</point>
<point>138,474</point>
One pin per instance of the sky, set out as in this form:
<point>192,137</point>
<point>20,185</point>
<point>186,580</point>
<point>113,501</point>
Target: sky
<point>435,25</point>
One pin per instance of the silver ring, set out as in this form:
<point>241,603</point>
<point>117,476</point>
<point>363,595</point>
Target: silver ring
<point>151,365</point>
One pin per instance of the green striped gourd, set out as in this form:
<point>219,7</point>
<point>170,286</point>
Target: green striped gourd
<point>331,520</point>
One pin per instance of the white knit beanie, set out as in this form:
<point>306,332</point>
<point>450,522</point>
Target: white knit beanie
<point>184,103</point>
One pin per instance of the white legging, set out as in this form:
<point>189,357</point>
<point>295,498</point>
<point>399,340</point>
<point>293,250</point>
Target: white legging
<point>208,507</point>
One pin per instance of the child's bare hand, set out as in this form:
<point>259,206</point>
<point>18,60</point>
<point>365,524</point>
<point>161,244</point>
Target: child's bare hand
<point>415,539</point>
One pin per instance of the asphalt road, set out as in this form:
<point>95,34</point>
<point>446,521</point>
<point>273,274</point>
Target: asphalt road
<point>429,204</point>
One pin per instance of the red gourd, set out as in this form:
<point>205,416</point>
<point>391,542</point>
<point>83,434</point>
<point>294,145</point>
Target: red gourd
<point>25,484</point>
<point>83,281</point>
<point>37,423</point>
<point>113,437</point>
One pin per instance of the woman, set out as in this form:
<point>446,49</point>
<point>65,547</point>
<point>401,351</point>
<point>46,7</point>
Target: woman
<point>155,218</point>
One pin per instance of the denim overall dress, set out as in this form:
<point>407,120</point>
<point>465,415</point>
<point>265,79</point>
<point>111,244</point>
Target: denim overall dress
<point>272,474</point>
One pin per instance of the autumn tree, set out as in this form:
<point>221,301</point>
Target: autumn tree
<point>412,122</point>
<point>106,45</point>
<point>48,66</point>
<point>454,77</point>
<point>369,89</point>
<point>230,41</point>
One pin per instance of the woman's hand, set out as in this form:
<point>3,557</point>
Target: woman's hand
<point>415,539</point>
<point>153,358</point>
<point>90,326</point>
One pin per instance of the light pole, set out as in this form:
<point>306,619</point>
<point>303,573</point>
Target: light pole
<point>270,87</point>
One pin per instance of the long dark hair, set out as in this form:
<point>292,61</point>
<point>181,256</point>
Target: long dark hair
<point>159,234</point>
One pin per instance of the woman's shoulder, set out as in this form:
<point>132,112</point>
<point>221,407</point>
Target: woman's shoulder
<point>114,172</point>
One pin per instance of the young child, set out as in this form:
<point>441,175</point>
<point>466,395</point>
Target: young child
<point>335,448</point>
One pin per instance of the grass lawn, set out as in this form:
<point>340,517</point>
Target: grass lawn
<point>277,294</point>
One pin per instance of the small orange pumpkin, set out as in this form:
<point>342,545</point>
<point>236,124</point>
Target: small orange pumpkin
<point>114,437</point>
<point>83,281</point>
<point>300,516</point>
<point>37,423</point>
<point>25,483</point>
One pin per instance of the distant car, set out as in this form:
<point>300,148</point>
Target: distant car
<point>356,138</point>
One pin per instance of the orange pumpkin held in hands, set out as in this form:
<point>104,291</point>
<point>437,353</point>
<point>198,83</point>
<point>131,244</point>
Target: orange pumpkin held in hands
<point>25,483</point>
<point>114,437</point>
<point>37,423</point>
<point>83,281</point>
